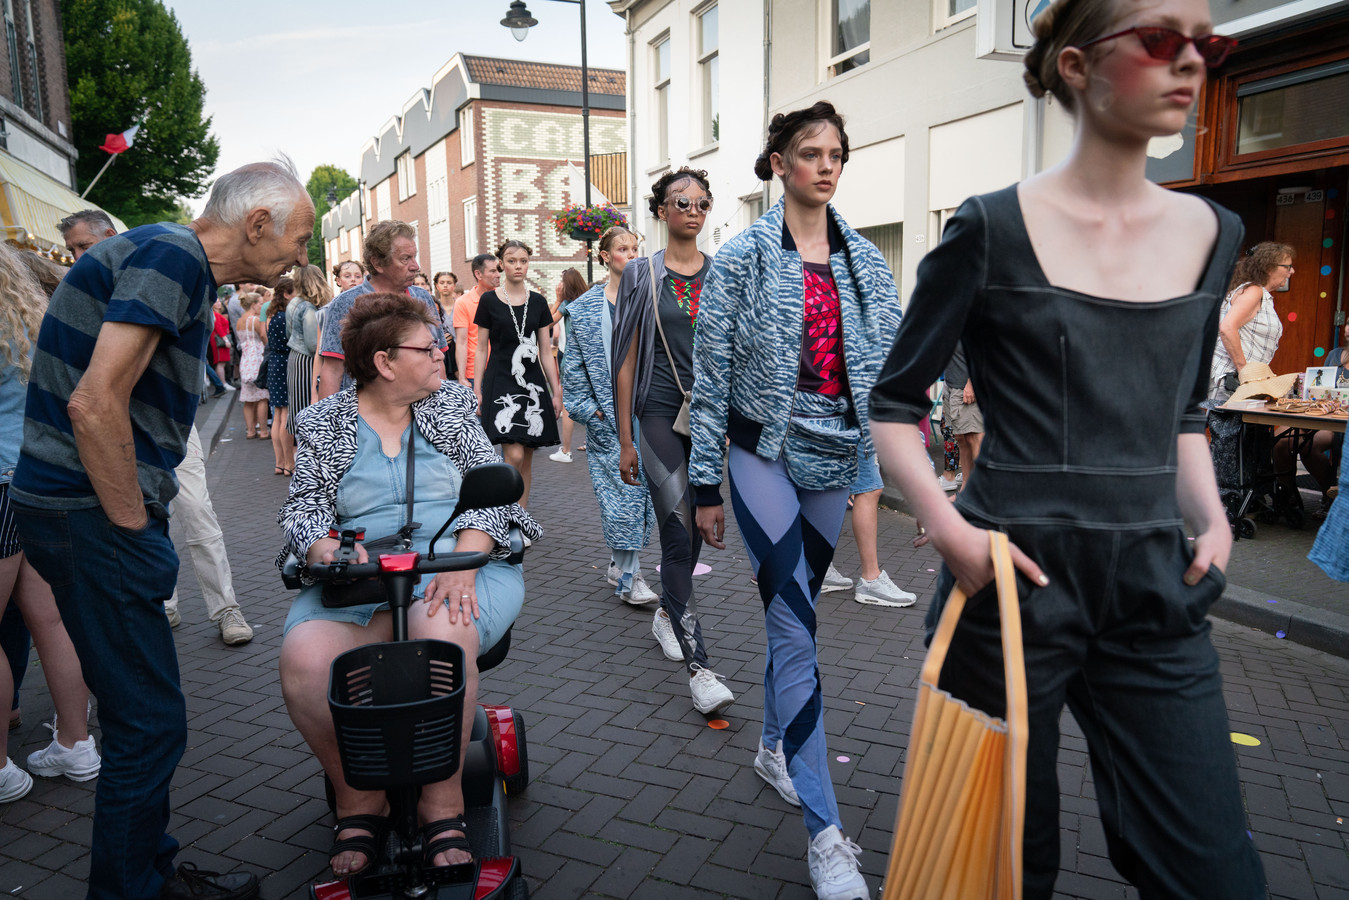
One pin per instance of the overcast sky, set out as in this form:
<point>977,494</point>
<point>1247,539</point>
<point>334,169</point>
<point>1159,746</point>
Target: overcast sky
<point>317,78</point>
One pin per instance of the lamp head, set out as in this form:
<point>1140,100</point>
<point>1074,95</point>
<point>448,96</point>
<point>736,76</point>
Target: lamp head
<point>518,20</point>
<point>332,196</point>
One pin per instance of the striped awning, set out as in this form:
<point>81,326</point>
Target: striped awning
<point>32,202</point>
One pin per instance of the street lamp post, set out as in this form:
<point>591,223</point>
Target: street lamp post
<point>519,21</point>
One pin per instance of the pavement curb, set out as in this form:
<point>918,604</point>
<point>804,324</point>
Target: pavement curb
<point>1316,628</point>
<point>216,420</point>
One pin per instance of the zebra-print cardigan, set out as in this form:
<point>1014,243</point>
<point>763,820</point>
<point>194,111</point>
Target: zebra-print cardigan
<point>325,439</point>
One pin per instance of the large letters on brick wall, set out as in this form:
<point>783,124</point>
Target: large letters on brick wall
<point>534,163</point>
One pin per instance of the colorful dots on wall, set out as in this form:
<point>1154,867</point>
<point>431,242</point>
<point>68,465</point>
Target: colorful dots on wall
<point>1323,295</point>
<point>1325,270</point>
<point>1319,352</point>
<point>1292,317</point>
<point>1328,243</point>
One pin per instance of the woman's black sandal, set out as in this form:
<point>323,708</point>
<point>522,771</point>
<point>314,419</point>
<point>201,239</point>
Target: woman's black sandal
<point>369,844</point>
<point>435,846</point>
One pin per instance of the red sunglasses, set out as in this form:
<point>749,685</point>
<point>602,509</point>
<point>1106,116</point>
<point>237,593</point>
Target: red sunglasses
<point>1167,43</point>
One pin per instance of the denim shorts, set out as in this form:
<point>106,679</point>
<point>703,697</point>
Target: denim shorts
<point>868,475</point>
<point>499,585</point>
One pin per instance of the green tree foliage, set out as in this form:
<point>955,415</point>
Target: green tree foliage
<point>322,179</point>
<point>127,61</point>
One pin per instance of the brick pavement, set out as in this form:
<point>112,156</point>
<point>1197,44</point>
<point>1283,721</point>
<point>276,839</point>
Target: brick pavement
<point>632,794</point>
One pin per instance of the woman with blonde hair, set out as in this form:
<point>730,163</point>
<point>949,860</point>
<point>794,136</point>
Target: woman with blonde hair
<point>1055,286</point>
<point>571,286</point>
<point>252,351</point>
<point>302,326</point>
<point>71,752</point>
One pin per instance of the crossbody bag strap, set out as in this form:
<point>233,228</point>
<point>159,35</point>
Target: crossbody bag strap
<point>655,307</point>
<point>410,526</point>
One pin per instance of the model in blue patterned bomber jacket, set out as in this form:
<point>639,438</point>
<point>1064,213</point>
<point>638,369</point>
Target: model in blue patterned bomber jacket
<point>747,352</point>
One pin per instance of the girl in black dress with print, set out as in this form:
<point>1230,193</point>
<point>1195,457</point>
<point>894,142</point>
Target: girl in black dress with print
<point>513,389</point>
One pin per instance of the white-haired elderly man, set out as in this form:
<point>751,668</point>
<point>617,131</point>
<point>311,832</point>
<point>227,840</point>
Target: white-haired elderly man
<point>111,400</point>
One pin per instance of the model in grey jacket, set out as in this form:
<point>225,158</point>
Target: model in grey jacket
<point>747,352</point>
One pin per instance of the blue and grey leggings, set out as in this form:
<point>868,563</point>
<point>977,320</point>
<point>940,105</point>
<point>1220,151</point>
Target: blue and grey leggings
<point>790,534</point>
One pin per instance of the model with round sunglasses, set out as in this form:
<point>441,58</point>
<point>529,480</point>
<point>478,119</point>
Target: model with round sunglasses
<point>1062,287</point>
<point>796,315</point>
<point>651,384</point>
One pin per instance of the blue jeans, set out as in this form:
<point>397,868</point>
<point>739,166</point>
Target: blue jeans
<point>111,594</point>
<point>215,379</point>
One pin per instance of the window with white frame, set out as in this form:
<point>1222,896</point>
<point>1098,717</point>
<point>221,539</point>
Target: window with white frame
<point>407,176</point>
<point>753,206</point>
<point>708,71</point>
<point>946,13</point>
<point>466,136</point>
<point>661,79</point>
<point>32,61</point>
<point>470,227</point>
<point>849,35</point>
<point>342,238</point>
<point>656,234</point>
<point>437,201</point>
<point>12,42</point>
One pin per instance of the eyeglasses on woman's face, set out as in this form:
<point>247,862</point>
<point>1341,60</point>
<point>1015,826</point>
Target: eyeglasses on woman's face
<point>1287,265</point>
<point>684,203</point>
<point>429,351</point>
<point>1167,43</point>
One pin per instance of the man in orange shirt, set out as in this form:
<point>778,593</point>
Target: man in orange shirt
<point>487,269</point>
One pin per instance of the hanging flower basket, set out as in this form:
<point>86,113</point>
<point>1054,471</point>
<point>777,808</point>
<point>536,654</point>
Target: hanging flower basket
<point>587,223</point>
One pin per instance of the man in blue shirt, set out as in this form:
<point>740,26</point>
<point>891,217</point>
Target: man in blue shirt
<point>111,399</point>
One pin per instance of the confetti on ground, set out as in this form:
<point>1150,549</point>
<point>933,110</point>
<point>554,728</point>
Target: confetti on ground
<point>718,724</point>
<point>700,569</point>
<point>1339,820</point>
<point>932,570</point>
<point>1279,634</point>
<point>843,759</point>
<point>1244,740</point>
<point>859,703</point>
<point>1271,601</point>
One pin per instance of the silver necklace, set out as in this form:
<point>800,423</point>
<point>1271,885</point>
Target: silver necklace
<point>524,314</point>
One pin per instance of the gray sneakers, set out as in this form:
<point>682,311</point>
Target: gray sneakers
<point>664,632</point>
<point>882,592</point>
<point>834,580</point>
<point>709,694</point>
<point>78,763</point>
<point>772,768</point>
<point>641,594</point>
<point>14,782</point>
<point>833,867</point>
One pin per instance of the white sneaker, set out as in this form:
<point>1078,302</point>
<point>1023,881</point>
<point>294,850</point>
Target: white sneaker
<point>14,782</point>
<point>709,694</point>
<point>613,574</point>
<point>833,867</point>
<point>950,485</point>
<point>233,629</point>
<point>641,594</point>
<point>561,456</point>
<point>834,580</point>
<point>882,592</point>
<point>174,618</point>
<point>230,387</point>
<point>78,763</point>
<point>772,768</point>
<point>664,632</point>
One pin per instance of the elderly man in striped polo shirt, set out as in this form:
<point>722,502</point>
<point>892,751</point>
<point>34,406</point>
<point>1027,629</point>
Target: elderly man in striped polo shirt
<point>111,400</point>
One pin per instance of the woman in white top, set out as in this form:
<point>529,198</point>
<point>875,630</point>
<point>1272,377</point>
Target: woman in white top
<point>1250,328</point>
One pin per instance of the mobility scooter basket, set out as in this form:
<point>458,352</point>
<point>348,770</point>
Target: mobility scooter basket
<point>398,711</point>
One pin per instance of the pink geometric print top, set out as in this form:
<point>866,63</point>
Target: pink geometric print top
<point>822,369</point>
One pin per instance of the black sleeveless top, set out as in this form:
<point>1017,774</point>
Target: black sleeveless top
<point>1083,397</point>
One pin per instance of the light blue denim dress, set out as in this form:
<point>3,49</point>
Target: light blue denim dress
<point>1331,550</point>
<point>372,495</point>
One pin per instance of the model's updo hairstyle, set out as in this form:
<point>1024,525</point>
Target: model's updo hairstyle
<point>1066,23</point>
<point>787,129</point>
<point>611,234</point>
<point>513,243</point>
<point>669,179</point>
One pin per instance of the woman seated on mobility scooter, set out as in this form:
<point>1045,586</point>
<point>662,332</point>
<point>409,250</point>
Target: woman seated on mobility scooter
<point>351,472</point>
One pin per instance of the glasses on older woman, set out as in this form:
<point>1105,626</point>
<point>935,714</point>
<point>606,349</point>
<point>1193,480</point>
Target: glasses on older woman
<point>429,351</point>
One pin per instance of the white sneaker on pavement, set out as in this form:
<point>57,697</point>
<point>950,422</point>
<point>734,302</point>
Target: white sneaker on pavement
<point>561,456</point>
<point>174,618</point>
<point>14,782</point>
<point>641,594</point>
<point>949,485</point>
<point>233,629</point>
<point>834,580</point>
<point>772,768</point>
<point>664,632</point>
<point>78,763</point>
<point>833,867</point>
<point>613,574</point>
<point>709,694</point>
<point>882,592</point>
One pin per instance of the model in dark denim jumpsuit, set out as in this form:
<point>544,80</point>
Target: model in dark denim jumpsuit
<point>1084,398</point>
